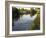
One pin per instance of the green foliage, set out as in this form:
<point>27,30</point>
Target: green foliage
<point>15,12</point>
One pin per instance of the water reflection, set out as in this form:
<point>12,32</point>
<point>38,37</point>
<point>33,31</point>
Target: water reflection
<point>23,22</point>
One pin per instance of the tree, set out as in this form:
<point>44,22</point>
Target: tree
<point>33,12</point>
<point>15,13</point>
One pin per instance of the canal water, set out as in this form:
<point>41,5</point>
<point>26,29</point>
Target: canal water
<point>23,23</point>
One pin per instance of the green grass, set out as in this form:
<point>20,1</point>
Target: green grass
<point>36,23</point>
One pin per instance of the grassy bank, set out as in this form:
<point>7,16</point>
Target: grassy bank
<point>36,23</point>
